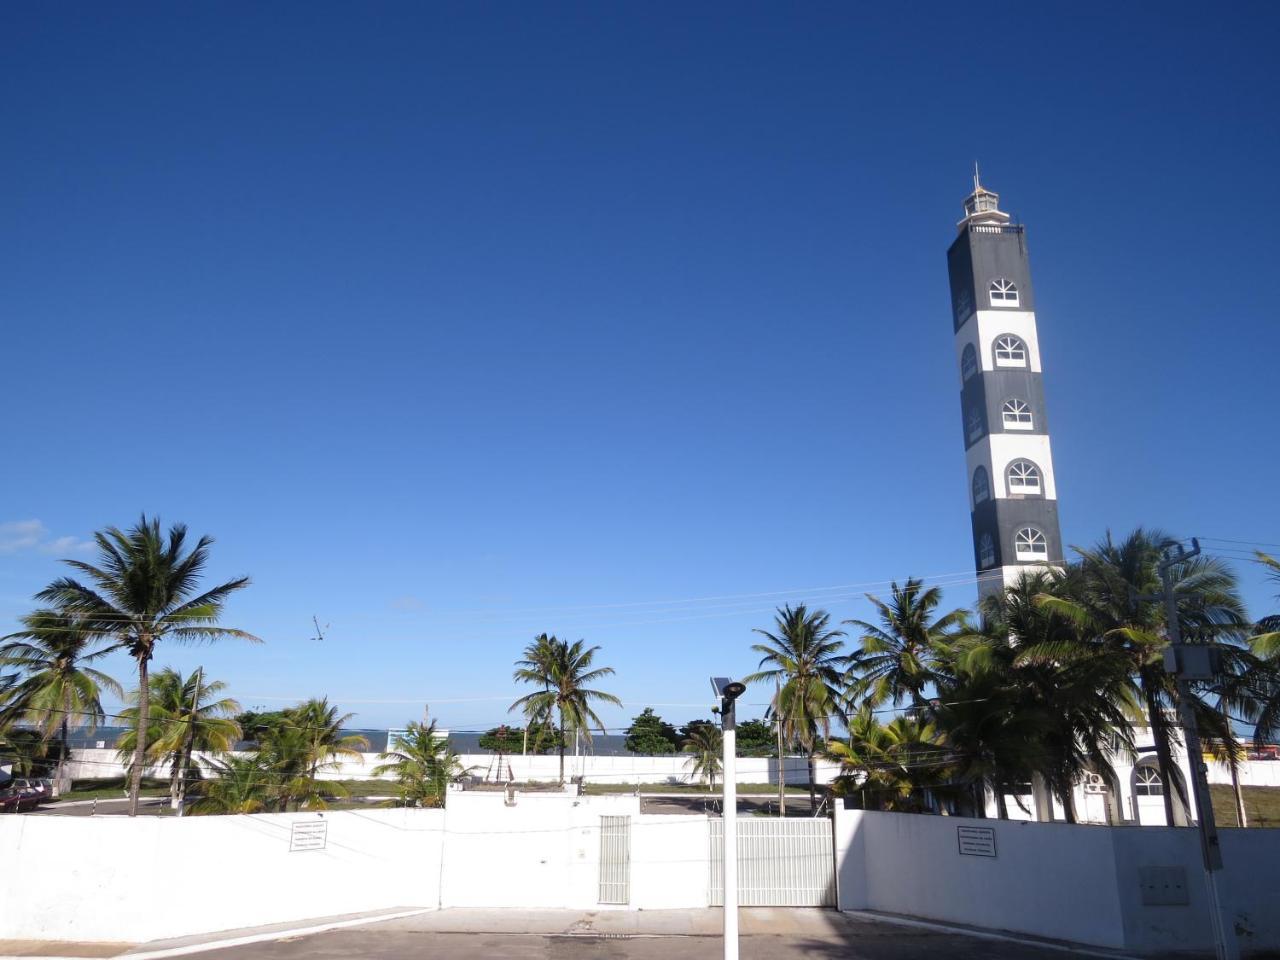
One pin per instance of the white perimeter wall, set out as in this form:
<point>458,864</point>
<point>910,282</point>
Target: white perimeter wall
<point>91,763</point>
<point>111,878</point>
<point>1077,883</point>
<point>115,878</point>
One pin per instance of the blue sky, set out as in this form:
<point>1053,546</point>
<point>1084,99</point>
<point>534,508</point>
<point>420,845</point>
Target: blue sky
<point>456,323</point>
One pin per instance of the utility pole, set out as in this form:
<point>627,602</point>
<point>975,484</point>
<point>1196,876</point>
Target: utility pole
<point>1189,662</point>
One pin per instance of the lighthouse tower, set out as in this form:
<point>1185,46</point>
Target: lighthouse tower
<point>1012,495</point>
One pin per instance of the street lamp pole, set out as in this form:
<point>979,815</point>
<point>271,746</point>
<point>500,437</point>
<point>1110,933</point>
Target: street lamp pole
<point>729,691</point>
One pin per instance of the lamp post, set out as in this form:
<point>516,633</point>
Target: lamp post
<point>728,691</point>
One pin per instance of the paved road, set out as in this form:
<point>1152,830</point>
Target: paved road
<point>631,935</point>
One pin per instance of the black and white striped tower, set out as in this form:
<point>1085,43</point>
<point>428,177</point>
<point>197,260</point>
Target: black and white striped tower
<point>1012,494</point>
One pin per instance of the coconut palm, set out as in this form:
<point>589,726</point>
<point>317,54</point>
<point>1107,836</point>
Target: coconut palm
<point>803,657</point>
<point>900,657</point>
<point>706,743</point>
<point>143,588</point>
<point>322,726</point>
<point>422,764</point>
<point>890,764</point>
<point>58,689</point>
<point>1048,698</point>
<point>563,671</point>
<point>240,784</point>
<point>187,715</point>
<point>1115,601</point>
<point>1264,712</point>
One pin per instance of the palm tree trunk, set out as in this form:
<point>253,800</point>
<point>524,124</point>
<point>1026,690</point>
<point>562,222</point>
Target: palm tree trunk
<point>813,783</point>
<point>66,716</point>
<point>1002,805</point>
<point>1164,758</point>
<point>1068,804</point>
<point>140,751</point>
<point>560,712</point>
<point>1241,819</point>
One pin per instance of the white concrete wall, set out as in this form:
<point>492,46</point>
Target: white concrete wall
<point>117,879</point>
<point>909,864</point>
<point>1078,883</point>
<point>92,763</point>
<point>545,852</point>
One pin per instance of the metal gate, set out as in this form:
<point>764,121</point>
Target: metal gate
<point>615,859</point>
<point>781,863</point>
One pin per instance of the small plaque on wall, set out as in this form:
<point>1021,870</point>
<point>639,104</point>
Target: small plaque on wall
<point>976,841</point>
<point>308,835</point>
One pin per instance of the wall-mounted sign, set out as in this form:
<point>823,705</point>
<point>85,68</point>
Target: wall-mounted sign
<point>976,841</point>
<point>308,835</point>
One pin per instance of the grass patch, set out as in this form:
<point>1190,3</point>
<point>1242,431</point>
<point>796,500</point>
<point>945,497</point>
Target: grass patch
<point>113,788</point>
<point>1261,805</point>
<point>590,788</point>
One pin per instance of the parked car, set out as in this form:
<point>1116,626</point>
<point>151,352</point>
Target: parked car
<point>23,794</point>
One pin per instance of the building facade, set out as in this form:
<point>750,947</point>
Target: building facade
<point>1012,495</point>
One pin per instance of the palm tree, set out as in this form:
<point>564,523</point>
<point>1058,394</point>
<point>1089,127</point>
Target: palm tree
<point>141,590</point>
<point>243,784</point>
<point>187,715</point>
<point>321,726</point>
<point>298,744</point>
<point>1115,600</point>
<point>422,763</point>
<point>58,689</point>
<point>1055,703</point>
<point>893,762</point>
<point>563,671</point>
<point>706,743</point>
<point>803,656</point>
<point>1265,646</point>
<point>900,657</point>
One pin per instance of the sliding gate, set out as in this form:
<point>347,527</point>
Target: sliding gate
<point>781,863</point>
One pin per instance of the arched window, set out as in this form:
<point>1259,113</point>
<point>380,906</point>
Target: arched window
<point>973,424</point>
<point>1024,478</point>
<point>981,486</point>
<point>1016,415</point>
<point>1010,351</point>
<point>1147,783</point>
<point>1030,544</point>
<point>1004,293</point>
<point>986,552</point>
<point>968,362</point>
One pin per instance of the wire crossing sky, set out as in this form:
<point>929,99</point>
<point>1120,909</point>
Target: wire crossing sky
<point>454,324</point>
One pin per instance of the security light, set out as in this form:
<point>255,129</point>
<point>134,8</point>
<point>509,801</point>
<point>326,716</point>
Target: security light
<point>727,689</point>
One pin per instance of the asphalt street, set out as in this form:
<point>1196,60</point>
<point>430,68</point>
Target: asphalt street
<point>768,934</point>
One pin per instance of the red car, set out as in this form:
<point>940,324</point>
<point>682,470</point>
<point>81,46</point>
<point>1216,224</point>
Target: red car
<point>20,795</point>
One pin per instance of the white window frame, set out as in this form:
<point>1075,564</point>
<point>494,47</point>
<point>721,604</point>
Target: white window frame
<point>980,471</point>
<point>969,353</point>
<point>1003,293</point>
<point>1012,345</point>
<point>1023,487</point>
<point>986,551</point>
<point>1147,781</point>
<point>1015,414</point>
<point>974,428</point>
<point>1030,544</point>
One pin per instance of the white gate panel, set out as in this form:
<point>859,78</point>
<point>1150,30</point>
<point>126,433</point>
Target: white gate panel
<point>615,860</point>
<point>781,863</point>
